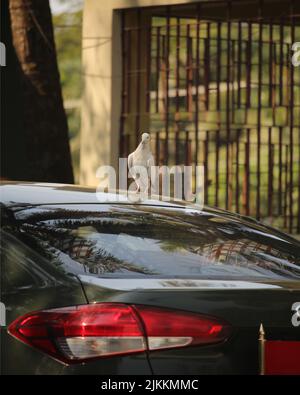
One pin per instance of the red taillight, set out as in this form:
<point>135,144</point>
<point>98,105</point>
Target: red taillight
<point>171,328</point>
<point>76,334</point>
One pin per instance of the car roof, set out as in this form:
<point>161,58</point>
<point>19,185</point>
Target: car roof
<point>16,194</point>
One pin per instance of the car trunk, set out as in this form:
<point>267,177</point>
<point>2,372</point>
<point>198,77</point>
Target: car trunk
<point>244,305</point>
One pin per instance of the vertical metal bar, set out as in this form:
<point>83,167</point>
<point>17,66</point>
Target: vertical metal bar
<point>239,64</point>
<point>280,167</point>
<point>206,153</point>
<point>177,111</point>
<point>219,55</point>
<point>207,66</point>
<point>128,71</point>
<point>291,109</point>
<point>281,38</point>
<point>287,90</point>
<point>217,167</point>
<point>167,60</point>
<point>270,173</point>
<point>286,186</point>
<point>248,65</point>
<point>259,94</point>
<point>189,70</point>
<point>230,183</point>
<point>232,80</point>
<point>273,77</point>
<point>124,93</point>
<point>237,169</point>
<point>157,67</point>
<point>138,78</point>
<point>246,197</point>
<point>197,89</point>
<point>149,63</point>
<point>271,63</point>
<point>177,65</point>
<point>163,77</point>
<point>228,123</point>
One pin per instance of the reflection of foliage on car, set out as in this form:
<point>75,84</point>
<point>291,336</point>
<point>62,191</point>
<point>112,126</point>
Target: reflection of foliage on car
<point>54,241</point>
<point>211,242</point>
<point>249,254</point>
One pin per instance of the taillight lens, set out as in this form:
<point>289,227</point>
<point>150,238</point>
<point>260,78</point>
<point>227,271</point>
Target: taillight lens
<point>77,334</point>
<point>170,328</point>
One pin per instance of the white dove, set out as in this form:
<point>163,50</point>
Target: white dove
<point>141,157</point>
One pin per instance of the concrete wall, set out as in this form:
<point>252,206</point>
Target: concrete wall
<point>102,81</point>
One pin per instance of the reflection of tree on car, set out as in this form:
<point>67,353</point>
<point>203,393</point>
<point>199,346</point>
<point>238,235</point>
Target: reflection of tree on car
<point>62,244</point>
<point>138,240</point>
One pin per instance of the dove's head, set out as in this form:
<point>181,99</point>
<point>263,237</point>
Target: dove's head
<point>145,138</point>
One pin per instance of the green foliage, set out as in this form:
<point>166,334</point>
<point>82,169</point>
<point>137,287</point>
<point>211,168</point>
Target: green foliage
<point>68,38</point>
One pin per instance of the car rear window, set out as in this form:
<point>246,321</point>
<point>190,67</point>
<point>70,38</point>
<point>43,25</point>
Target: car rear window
<point>151,242</point>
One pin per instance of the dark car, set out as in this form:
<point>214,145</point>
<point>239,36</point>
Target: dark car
<point>94,284</point>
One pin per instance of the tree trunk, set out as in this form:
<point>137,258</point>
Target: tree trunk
<point>45,123</point>
<point>13,156</point>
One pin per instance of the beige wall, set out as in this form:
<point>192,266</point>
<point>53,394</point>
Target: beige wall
<point>102,78</point>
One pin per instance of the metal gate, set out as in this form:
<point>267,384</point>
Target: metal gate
<point>215,85</point>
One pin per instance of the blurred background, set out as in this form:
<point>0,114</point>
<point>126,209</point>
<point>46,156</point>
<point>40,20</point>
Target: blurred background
<point>67,23</point>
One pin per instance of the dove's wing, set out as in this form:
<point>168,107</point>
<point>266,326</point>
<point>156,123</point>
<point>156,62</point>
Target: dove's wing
<point>150,163</point>
<point>152,177</point>
<point>130,161</point>
<point>130,165</point>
